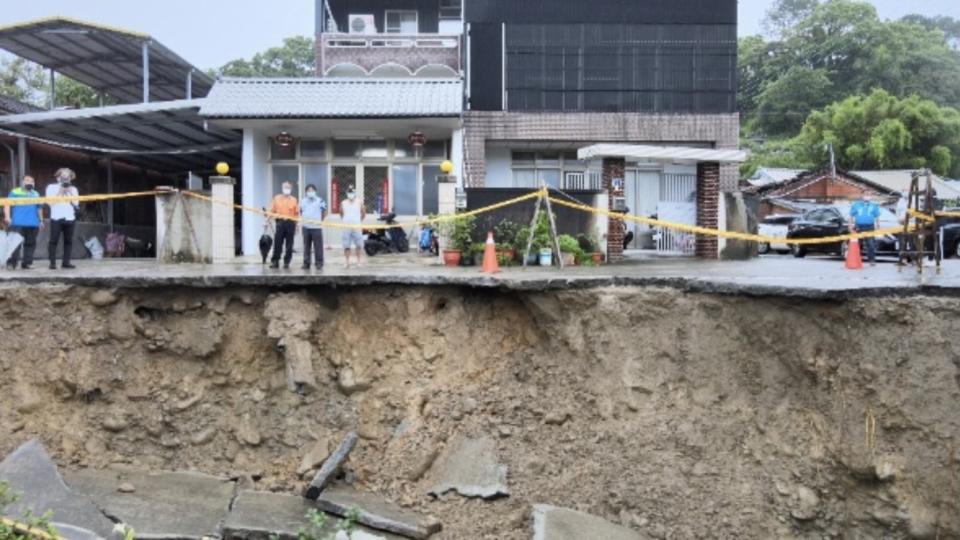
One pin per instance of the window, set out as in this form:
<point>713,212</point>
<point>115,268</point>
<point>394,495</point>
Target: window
<point>313,149</point>
<point>554,168</point>
<point>346,149</point>
<point>435,149</point>
<point>316,174</point>
<point>401,22</point>
<point>285,173</point>
<point>374,149</point>
<point>282,153</point>
<point>431,197</point>
<point>451,9</point>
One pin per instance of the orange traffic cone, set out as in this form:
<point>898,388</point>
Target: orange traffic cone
<point>853,262</point>
<point>490,264</point>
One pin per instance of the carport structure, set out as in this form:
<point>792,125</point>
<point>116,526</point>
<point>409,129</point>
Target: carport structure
<point>155,124</point>
<point>128,66</point>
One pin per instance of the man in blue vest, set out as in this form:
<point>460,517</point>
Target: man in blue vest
<point>26,220</point>
<point>865,217</point>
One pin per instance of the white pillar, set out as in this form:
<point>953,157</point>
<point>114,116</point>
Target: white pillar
<point>255,192</point>
<point>456,154</point>
<point>221,219</point>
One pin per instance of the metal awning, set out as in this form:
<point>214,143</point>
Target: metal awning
<point>109,60</point>
<point>167,137</point>
<point>679,155</point>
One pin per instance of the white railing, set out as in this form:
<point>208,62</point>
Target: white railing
<point>393,41</point>
<point>582,180</point>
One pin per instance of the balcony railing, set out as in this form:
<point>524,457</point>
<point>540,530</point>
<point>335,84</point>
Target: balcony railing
<point>389,55</point>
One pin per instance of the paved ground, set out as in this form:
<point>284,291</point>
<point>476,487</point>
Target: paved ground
<point>773,275</point>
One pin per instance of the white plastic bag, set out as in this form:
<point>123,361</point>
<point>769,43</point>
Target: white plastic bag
<point>94,247</point>
<point>9,242</point>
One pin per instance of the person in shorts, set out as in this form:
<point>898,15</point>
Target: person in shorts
<point>352,213</point>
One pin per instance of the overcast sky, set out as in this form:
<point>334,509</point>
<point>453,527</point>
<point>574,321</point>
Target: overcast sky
<point>209,33</point>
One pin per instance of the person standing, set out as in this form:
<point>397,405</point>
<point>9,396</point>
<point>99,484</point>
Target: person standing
<point>864,218</point>
<point>287,211</point>
<point>25,220</point>
<point>352,213</point>
<point>314,208</point>
<point>63,217</point>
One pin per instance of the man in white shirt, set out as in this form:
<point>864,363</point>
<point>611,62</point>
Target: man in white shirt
<point>63,216</point>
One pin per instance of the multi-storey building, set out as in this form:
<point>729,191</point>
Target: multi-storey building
<point>509,91</point>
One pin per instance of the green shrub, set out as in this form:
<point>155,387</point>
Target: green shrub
<point>39,523</point>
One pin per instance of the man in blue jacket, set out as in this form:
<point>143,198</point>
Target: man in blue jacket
<point>865,217</point>
<point>26,220</point>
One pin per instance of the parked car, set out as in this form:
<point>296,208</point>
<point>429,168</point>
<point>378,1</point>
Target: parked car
<point>950,234</point>
<point>833,220</point>
<point>775,225</point>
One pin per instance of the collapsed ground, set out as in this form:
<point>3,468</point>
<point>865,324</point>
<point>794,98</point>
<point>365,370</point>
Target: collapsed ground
<point>678,415</point>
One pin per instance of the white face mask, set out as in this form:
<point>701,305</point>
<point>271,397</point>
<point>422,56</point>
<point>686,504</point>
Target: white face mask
<point>287,191</point>
<point>351,196</point>
<point>311,195</point>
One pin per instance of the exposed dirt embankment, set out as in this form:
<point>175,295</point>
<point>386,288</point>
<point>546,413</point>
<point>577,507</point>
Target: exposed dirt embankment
<point>678,415</point>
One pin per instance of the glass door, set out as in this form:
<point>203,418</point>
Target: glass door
<point>376,189</point>
<point>344,178</point>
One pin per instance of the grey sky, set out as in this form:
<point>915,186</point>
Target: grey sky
<point>209,33</point>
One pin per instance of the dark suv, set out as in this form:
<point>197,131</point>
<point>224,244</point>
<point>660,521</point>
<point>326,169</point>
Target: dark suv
<point>833,221</point>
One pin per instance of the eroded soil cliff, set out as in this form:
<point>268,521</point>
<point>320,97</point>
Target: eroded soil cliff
<point>678,415</point>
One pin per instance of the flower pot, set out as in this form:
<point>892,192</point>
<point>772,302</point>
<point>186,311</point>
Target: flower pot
<point>597,257</point>
<point>569,259</point>
<point>451,257</point>
<point>546,257</point>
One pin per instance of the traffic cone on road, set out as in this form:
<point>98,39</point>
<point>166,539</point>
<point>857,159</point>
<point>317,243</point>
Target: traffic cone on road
<point>853,262</point>
<point>490,264</point>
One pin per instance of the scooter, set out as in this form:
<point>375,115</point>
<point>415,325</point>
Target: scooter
<point>392,240</point>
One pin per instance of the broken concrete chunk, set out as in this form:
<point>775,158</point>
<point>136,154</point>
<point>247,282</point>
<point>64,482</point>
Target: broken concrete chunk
<point>472,468</point>
<point>554,523</point>
<point>166,505</point>
<point>331,466</point>
<point>259,516</point>
<point>350,383</point>
<point>807,504</point>
<point>298,353</point>
<point>103,298</point>
<point>377,513</point>
<point>30,472</point>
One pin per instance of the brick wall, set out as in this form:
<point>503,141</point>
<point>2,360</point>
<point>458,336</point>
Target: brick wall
<point>715,130</point>
<point>613,168</point>
<point>708,202</point>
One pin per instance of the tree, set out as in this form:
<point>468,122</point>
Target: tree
<point>74,94</point>
<point>21,80</point>
<point>948,25</point>
<point>295,58</point>
<point>785,103</point>
<point>786,13</point>
<point>884,132</point>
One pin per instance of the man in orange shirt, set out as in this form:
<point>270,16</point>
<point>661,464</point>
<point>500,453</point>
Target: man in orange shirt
<point>284,206</point>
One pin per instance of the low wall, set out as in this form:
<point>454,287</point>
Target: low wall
<point>86,230</point>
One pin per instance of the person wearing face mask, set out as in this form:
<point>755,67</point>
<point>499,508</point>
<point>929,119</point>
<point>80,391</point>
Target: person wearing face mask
<point>63,216</point>
<point>352,213</point>
<point>287,210</point>
<point>313,208</point>
<point>26,220</point>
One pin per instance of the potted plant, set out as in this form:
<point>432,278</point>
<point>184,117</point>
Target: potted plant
<point>476,251</point>
<point>459,233</point>
<point>591,246</point>
<point>569,249</point>
<point>505,234</point>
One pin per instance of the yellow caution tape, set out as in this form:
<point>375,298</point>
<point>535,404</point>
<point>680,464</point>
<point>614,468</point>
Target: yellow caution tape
<point>26,529</point>
<point>693,229</point>
<point>25,201</point>
<point>371,226</point>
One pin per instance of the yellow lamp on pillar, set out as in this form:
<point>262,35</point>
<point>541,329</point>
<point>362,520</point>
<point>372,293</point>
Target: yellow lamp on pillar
<point>446,167</point>
<point>222,168</point>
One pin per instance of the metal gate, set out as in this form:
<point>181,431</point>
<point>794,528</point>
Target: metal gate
<point>678,203</point>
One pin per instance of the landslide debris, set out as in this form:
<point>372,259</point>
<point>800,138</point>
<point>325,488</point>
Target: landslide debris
<point>672,414</point>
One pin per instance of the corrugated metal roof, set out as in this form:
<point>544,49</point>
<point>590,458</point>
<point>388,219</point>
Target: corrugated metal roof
<point>899,180</point>
<point>333,98</point>
<point>663,154</point>
<point>163,136</point>
<point>770,175</point>
<point>104,58</point>
<point>9,105</point>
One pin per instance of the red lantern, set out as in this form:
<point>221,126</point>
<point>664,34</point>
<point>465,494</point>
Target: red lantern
<point>417,140</point>
<point>284,139</point>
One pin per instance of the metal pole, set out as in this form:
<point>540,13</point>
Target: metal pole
<point>190,84</point>
<point>22,154</point>
<point>110,191</point>
<point>100,99</point>
<point>146,72</point>
<point>53,89</point>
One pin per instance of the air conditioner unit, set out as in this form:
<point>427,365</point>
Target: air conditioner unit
<point>362,24</point>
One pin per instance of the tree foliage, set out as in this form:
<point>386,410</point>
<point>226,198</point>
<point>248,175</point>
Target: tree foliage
<point>824,51</point>
<point>295,58</point>
<point>881,131</point>
<point>21,80</point>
